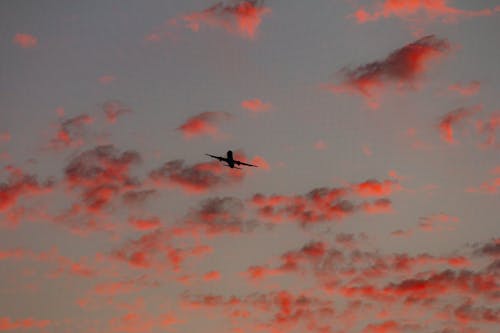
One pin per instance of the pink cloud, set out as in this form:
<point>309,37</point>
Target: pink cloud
<point>197,178</point>
<point>18,185</point>
<point>412,10</point>
<point>438,222</point>
<point>106,79</point>
<point>320,145</point>
<point>470,89</point>
<point>403,66</point>
<point>101,174</point>
<point>25,41</point>
<point>255,105</point>
<point>5,137</point>
<point>70,132</point>
<point>114,109</point>
<point>204,123</point>
<point>375,188</point>
<point>7,324</point>
<point>242,18</point>
<point>145,224</point>
<point>454,117</point>
<point>489,128</point>
<point>212,276</point>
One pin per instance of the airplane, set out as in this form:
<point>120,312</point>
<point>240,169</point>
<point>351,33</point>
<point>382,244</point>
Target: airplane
<point>231,162</point>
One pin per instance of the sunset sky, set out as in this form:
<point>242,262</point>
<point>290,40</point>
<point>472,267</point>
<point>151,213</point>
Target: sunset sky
<point>375,207</point>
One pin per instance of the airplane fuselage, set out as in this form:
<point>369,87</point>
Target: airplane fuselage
<point>229,159</point>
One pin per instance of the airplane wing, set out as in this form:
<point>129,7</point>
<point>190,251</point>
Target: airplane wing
<point>220,158</point>
<point>247,164</point>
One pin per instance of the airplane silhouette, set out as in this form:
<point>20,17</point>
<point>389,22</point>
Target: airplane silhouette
<point>231,162</point>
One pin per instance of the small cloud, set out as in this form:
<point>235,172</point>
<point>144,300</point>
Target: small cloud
<point>403,67</point>
<point>454,117</point>
<point>25,41</point>
<point>417,11</point>
<point>320,145</point>
<point>242,18</point>
<point>466,89</point>
<point>5,137</point>
<point>114,109</point>
<point>256,105</point>
<point>106,79</point>
<point>204,123</point>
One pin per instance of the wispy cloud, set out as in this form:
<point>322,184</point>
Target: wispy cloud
<point>204,123</point>
<point>453,118</point>
<point>413,10</point>
<point>24,40</point>
<point>403,67</point>
<point>256,105</point>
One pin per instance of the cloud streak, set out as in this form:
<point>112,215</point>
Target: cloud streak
<point>403,67</point>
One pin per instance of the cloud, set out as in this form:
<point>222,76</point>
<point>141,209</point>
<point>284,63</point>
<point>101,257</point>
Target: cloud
<point>454,117</point>
<point>138,197</point>
<point>490,249</point>
<point>197,178</point>
<point>145,224</point>
<point>375,188</point>
<point>403,66</point>
<point>7,324</point>
<point>101,174</point>
<point>114,109</point>
<point>106,79</point>
<point>490,186</point>
<point>437,222</point>
<point>219,215</point>
<point>320,145</point>
<point>20,185</point>
<point>212,276</point>
<point>25,41</point>
<point>255,105</point>
<point>324,204</point>
<point>154,250</point>
<point>203,124</point>
<point>70,132</point>
<point>489,128</point>
<point>242,18</point>
<point>415,10</point>
<point>470,89</point>
<point>5,137</point>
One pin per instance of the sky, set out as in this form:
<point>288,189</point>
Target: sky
<point>374,207</point>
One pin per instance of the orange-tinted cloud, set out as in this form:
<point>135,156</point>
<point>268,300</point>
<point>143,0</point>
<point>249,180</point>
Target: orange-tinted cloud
<point>106,79</point>
<point>5,137</point>
<point>114,109</point>
<point>218,215</point>
<point>470,89</point>
<point>25,41</point>
<point>255,105</point>
<point>489,128</point>
<point>138,197</point>
<point>197,178</point>
<point>375,188</point>
<point>20,184</point>
<point>453,118</point>
<point>70,132</point>
<point>414,9</point>
<point>325,204</point>
<point>101,174</point>
<point>438,222</point>
<point>403,66</point>
<point>7,324</point>
<point>243,17</point>
<point>204,123</point>
<point>211,276</point>
<point>145,224</point>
